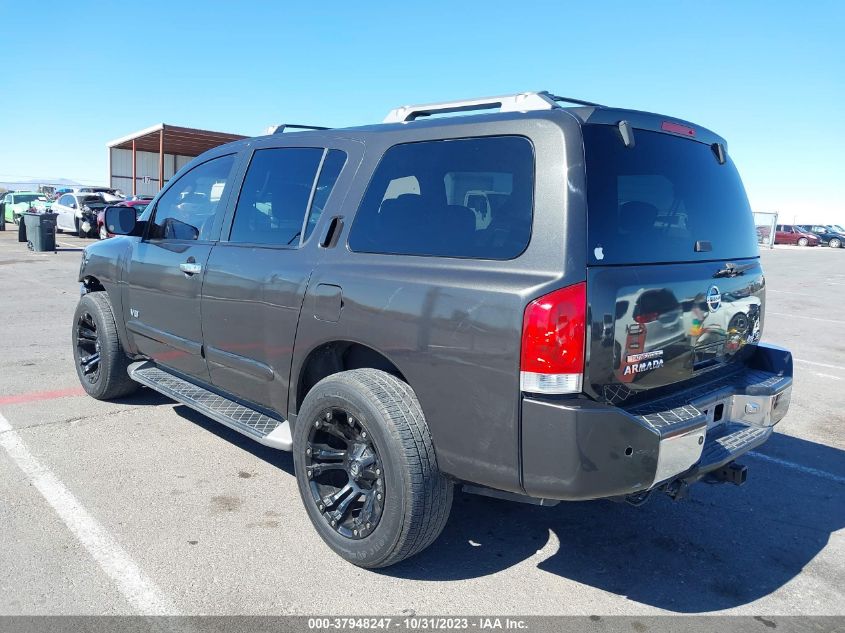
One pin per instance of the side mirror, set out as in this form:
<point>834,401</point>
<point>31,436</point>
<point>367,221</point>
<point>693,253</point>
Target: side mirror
<point>72,205</point>
<point>121,220</point>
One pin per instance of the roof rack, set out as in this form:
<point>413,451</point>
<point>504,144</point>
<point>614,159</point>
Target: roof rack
<point>521,102</point>
<point>279,129</point>
<point>557,98</point>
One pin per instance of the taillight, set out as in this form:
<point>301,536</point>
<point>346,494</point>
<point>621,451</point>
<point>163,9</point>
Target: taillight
<point>646,317</point>
<point>553,339</point>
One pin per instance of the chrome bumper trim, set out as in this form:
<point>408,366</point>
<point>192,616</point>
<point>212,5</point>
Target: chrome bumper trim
<point>679,452</point>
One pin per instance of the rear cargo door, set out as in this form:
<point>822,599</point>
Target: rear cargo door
<point>674,284</point>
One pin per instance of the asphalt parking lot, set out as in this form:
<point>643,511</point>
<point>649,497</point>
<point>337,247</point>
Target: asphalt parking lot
<point>196,519</point>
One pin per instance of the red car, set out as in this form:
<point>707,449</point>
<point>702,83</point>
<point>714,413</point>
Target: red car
<point>139,206</point>
<point>791,234</point>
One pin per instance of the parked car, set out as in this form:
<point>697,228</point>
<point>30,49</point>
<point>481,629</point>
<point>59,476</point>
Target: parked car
<point>15,204</point>
<point>834,239</point>
<point>791,234</point>
<point>333,294</point>
<point>77,212</point>
<point>139,206</point>
<point>109,194</point>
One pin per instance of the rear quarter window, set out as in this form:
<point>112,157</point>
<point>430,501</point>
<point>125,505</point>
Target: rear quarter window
<point>470,198</point>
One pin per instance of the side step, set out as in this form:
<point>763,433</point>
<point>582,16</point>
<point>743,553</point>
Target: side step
<point>257,426</point>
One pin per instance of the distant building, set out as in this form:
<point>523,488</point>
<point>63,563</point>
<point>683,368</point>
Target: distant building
<point>142,162</point>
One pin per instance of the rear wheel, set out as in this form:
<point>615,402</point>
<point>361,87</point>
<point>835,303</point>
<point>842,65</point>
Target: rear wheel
<point>803,241</point>
<point>366,468</point>
<point>835,243</point>
<point>98,355</point>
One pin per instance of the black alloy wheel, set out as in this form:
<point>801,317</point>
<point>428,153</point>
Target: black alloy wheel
<point>344,473</point>
<point>88,347</point>
<point>366,468</point>
<point>98,355</point>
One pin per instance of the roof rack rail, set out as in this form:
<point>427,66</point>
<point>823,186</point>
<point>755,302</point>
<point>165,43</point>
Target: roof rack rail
<point>521,102</point>
<point>279,129</point>
<point>557,98</point>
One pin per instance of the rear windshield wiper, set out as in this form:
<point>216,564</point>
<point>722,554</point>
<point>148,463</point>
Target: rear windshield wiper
<point>732,270</point>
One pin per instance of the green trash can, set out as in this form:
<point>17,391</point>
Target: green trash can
<point>40,231</point>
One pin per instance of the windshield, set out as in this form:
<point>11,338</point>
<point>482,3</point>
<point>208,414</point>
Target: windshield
<point>836,227</point>
<point>29,197</point>
<point>666,199</point>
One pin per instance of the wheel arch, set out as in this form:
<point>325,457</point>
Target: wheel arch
<point>92,284</point>
<point>334,357</point>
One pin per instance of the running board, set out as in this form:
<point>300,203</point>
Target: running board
<point>255,425</point>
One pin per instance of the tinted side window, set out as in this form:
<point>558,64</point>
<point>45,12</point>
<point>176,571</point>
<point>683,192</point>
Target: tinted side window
<point>186,210</point>
<point>454,198</point>
<point>274,197</point>
<point>332,165</point>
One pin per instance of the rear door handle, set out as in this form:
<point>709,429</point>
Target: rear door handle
<point>190,268</point>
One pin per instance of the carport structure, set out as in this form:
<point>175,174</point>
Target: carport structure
<point>144,161</point>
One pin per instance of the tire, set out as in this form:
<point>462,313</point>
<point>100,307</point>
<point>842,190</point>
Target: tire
<point>803,241</point>
<point>416,497</point>
<point>106,378</point>
<point>835,243</point>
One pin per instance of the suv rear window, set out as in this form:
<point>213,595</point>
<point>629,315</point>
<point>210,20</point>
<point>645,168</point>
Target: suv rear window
<point>652,202</point>
<point>469,198</point>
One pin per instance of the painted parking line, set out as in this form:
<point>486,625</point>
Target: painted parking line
<point>804,316</point>
<point>815,364</point>
<point>138,590</point>
<point>799,467</point>
<point>23,398</point>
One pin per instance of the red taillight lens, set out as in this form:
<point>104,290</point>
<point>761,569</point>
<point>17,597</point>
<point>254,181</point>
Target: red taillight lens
<point>553,333</point>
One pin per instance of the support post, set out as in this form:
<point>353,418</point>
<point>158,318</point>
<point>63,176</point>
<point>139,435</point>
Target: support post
<point>161,159</point>
<point>134,170</point>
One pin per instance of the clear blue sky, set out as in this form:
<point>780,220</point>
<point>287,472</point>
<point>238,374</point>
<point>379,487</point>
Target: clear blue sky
<point>768,76</point>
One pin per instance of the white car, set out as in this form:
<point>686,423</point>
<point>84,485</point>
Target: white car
<point>77,212</point>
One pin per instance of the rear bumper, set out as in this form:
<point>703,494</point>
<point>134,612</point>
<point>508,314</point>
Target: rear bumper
<point>576,449</point>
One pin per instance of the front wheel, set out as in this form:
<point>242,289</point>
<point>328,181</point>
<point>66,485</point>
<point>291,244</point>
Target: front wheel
<point>835,243</point>
<point>98,355</point>
<point>81,233</point>
<point>803,241</point>
<point>366,468</point>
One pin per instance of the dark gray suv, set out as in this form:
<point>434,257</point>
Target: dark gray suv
<point>538,303</point>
